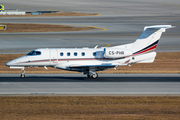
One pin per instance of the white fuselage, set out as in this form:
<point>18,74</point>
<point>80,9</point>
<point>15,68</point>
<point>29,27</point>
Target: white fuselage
<point>63,58</point>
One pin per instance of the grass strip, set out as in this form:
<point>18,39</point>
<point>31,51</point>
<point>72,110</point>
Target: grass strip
<point>15,27</point>
<point>89,108</point>
<point>165,62</point>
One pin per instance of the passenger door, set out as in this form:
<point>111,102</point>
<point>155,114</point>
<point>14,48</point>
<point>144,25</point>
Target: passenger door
<point>53,56</point>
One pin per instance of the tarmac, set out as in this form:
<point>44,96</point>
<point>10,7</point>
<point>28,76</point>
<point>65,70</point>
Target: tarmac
<point>80,85</point>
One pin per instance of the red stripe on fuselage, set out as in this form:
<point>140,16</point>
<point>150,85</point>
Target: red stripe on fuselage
<point>70,60</point>
<point>149,49</point>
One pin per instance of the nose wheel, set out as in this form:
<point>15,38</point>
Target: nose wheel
<point>22,74</point>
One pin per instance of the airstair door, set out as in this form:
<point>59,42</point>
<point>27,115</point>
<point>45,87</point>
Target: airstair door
<point>53,57</point>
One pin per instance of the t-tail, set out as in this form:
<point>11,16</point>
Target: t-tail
<point>149,39</point>
<point>143,48</point>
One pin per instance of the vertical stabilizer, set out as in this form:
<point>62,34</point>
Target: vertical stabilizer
<point>148,40</point>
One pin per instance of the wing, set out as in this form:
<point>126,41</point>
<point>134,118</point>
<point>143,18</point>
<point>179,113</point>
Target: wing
<point>97,67</point>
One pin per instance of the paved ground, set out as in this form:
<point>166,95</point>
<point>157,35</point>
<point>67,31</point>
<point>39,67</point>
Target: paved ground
<point>106,7</point>
<point>77,84</point>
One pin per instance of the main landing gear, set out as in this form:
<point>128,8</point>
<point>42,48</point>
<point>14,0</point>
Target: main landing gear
<point>93,75</point>
<point>22,74</point>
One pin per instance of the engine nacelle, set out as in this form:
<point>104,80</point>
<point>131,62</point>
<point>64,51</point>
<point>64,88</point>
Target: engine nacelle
<point>116,52</point>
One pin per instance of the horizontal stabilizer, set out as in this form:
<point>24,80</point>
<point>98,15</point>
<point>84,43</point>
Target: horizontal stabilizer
<point>159,26</point>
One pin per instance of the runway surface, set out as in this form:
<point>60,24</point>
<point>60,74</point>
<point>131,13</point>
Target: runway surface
<point>77,84</point>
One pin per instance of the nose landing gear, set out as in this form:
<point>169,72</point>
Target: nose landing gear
<point>22,74</point>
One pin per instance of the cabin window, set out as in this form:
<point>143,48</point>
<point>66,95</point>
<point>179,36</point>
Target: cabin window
<point>75,54</point>
<point>94,53</point>
<point>34,53</point>
<point>83,53</point>
<point>61,54</point>
<point>68,54</point>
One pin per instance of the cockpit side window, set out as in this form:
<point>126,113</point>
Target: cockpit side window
<point>31,53</point>
<point>37,53</point>
<point>34,53</point>
<point>94,53</point>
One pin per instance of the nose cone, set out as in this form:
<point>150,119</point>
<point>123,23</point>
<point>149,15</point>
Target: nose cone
<point>16,62</point>
<point>7,64</point>
<point>11,63</point>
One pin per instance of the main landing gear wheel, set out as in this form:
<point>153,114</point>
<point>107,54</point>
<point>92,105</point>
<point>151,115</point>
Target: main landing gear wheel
<point>94,75</point>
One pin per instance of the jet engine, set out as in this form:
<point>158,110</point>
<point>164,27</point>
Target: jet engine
<point>116,52</point>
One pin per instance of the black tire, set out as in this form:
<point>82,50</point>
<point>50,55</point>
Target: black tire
<point>94,76</point>
<point>22,76</point>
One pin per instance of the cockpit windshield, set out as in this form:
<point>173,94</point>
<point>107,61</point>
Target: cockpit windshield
<point>34,53</point>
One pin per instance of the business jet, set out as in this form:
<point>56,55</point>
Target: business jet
<point>90,60</point>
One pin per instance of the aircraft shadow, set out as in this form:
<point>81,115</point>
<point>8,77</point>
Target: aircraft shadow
<point>85,79</point>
